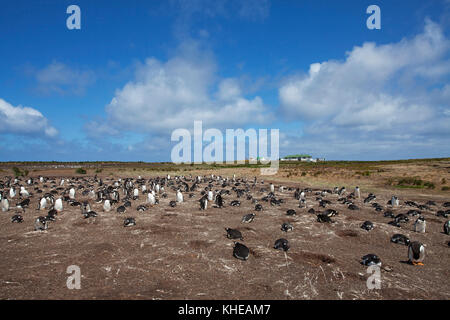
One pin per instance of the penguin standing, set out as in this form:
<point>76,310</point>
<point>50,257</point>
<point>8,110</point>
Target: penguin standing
<point>107,206</point>
<point>179,196</point>
<point>24,192</point>
<point>5,205</point>
<point>210,195</point>
<point>272,188</point>
<point>72,193</point>
<point>420,225</point>
<point>42,203</point>
<point>203,203</point>
<point>357,193</point>
<point>416,253</point>
<point>394,201</point>
<point>12,192</point>
<point>447,227</point>
<point>58,204</point>
<point>151,198</point>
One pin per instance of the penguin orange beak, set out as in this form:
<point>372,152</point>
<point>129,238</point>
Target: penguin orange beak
<point>418,264</point>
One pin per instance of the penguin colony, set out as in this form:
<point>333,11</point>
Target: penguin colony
<point>214,193</point>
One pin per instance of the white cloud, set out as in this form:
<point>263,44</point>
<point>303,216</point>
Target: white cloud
<point>392,92</point>
<point>24,120</point>
<point>60,78</point>
<point>173,94</point>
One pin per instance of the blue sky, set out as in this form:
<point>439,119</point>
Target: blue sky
<point>137,70</point>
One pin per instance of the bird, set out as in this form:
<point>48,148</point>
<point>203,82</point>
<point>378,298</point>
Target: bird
<point>72,193</point>
<point>179,196</point>
<point>121,209</point>
<point>151,198</point>
<point>286,226</point>
<point>234,234</point>
<point>420,225</point>
<point>400,238</point>
<point>5,205</point>
<point>58,204</point>
<point>107,206</point>
<point>367,225</point>
<point>17,218</point>
<point>240,251</point>
<point>291,212</point>
<point>416,253</point>
<point>281,244</point>
<point>40,224</point>
<point>370,260</point>
<point>357,193</point>
<point>447,227</point>
<point>248,218</point>
<point>12,192</point>
<point>128,222</point>
<point>23,192</point>
<point>203,203</point>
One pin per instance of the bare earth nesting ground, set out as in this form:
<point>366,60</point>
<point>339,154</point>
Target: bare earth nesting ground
<point>183,253</point>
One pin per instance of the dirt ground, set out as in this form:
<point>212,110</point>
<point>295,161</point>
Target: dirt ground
<point>183,252</point>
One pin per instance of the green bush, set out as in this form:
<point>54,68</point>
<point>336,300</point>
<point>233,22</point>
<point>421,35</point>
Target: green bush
<point>445,188</point>
<point>80,171</point>
<point>17,172</point>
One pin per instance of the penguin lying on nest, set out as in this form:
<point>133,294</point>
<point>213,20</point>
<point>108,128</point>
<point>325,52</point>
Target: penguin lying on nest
<point>447,227</point>
<point>400,238</point>
<point>248,218</point>
<point>367,225</point>
<point>371,259</point>
<point>416,253</point>
<point>240,251</point>
<point>40,224</point>
<point>281,244</point>
<point>17,218</point>
<point>291,212</point>
<point>287,227</point>
<point>128,222</point>
<point>234,234</point>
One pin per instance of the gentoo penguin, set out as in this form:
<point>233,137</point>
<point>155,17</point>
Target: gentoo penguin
<point>121,209</point>
<point>420,225</point>
<point>203,203</point>
<point>58,204</point>
<point>136,193</point>
<point>447,227</point>
<point>394,201</point>
<point>416,253</point>
<point>23,192</point>
<point>235,203</point>
<point>323,218</point>
<point>173,203</point>
<point>287,227</point>
<point>353,207</point>
<point>179,196</point>
<point>258,207</point>
<point>17,218</point>
<point>367,225</point>
<point>12,192</point>
<point>141,208</point>
<point>248,218</point>
<point>400,238</point>
<point>43,203</point>
<point>107,206</point>
<point>40,224</point>
<point>272,188</point>
<point>240,251</point>
<point>5,205</point>
<point>72,193</point>
<point>281,244</point>
<point>357,193</point>
<point>210,195</point>
<point>151,198</point>
<point>302,203</point>
<point>219,201</point>
<point>128,222</point>
<point>371,259</point>
<point>291,212</point>
<point>234,234</point>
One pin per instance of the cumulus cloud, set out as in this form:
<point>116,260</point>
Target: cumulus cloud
<point>173,94</point>
<point>24,120</point>
<point>389,92</point>
<point>62,79</point>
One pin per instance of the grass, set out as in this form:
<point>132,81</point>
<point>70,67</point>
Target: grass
<point>20,173</point>
<point>411,182</point>
<point>445,188</point>
<point>80,171</point>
